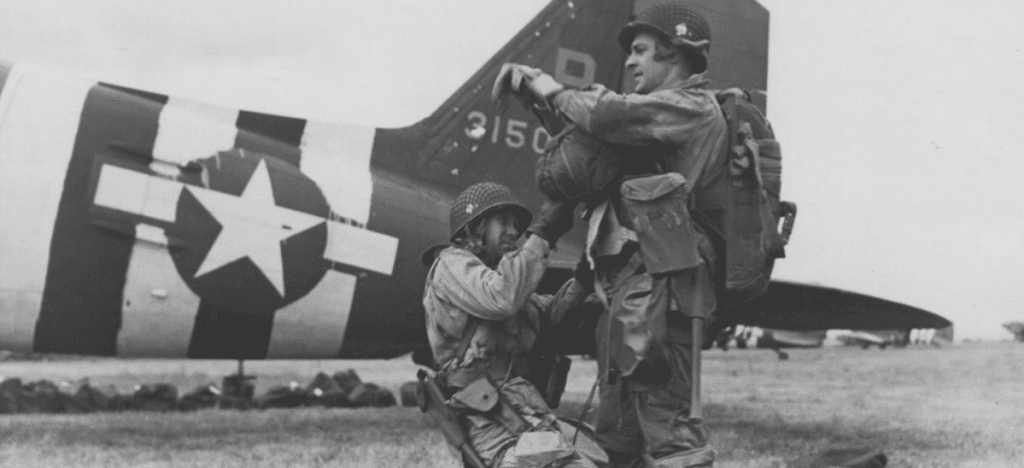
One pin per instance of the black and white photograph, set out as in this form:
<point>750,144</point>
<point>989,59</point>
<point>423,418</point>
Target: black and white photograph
<point>529,233</point>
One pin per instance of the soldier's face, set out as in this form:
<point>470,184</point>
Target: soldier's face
<point>648,73</point>
<point>499,232</point>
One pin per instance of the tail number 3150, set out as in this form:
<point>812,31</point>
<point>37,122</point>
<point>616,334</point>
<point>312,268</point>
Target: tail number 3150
<point>517,133</point>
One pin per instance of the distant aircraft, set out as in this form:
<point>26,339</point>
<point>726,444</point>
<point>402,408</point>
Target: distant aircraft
<point>769,338</point>
<point>776,340</point>
<point>881,338</point>
<point>140,224</point>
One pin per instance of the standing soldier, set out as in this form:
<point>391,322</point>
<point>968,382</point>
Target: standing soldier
<point>673,119</point>
<point>483,318</point>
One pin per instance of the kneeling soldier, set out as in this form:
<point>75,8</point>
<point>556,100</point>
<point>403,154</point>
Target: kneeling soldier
<point>483,317</point>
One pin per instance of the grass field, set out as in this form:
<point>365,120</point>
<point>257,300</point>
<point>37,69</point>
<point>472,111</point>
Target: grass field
<point>959,406</point>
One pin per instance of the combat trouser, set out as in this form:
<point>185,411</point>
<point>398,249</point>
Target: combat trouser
<point>647,424</point>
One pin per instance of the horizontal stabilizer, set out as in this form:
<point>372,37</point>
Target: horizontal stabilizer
<point>795,306</point>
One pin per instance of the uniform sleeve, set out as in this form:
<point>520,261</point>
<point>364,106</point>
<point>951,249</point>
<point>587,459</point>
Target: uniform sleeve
<point>634,119</point>
<point>469,285</point>
<point>569,297</point>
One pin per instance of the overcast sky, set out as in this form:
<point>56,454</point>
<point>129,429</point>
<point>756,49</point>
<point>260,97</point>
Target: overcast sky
<point>900,120</point>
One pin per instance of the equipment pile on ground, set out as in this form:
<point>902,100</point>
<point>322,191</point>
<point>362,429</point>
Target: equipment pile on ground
<point>343,389</point>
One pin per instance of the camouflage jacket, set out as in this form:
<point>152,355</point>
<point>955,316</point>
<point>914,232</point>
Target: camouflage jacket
<point>683,118</point>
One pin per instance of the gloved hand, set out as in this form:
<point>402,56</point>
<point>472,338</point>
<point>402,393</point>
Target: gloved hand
<point>554,221</point>
<point>510,80</point>
<point>543,87</point>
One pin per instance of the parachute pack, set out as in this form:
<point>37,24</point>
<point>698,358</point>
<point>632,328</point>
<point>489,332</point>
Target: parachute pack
<point>742,204</point>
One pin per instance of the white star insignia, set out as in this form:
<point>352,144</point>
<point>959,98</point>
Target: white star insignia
<point>253,226</point>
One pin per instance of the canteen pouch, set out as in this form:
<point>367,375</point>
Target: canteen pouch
<point>657,209</point>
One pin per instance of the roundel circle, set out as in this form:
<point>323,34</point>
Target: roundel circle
<point>252,230</point>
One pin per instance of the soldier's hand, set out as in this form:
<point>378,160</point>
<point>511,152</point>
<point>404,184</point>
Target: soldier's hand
<point>554,220</point>
<point>543,87</point>
<point>510,80</point>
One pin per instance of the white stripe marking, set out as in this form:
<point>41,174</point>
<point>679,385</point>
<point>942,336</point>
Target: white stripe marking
<point>137,193</point>
<point>337,158</point>
<point>142,194</point>
<point>189,130</point>
<point>121,189</point>
<point>39,116</point>
<point>161,200</point>
<point>159,311</point>
<point>154,322</point>
<point>314,326</point>
<point>361,248</point>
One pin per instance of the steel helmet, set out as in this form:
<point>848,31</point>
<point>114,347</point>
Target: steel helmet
<point>482,199</point>
<point>679,23</point>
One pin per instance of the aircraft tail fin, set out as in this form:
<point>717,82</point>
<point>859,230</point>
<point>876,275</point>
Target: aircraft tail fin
<point>574,41</point>
<point>469,139</point>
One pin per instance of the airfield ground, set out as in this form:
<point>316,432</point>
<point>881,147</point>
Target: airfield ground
<point>960,406</point>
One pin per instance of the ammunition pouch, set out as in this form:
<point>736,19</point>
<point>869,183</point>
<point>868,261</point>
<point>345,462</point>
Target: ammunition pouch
<point>657,210</point>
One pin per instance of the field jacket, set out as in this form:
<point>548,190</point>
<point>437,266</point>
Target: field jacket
<point>461,288</point>
<point>682,118</point>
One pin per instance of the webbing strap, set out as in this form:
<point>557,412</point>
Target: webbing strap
<point>698,168</point>
<point>586,407</point>
<point>467,337</point>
